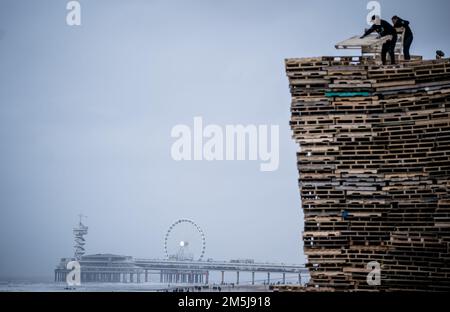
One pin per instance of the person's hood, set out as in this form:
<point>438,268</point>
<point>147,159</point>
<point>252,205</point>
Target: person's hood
<point>377,20</point>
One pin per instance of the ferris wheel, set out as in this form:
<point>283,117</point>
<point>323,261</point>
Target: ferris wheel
<point>184,241</point>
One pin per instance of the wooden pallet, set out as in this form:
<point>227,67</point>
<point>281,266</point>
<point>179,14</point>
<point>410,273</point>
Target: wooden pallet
<point>375,143</point>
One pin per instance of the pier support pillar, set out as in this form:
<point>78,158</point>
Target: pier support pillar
<point>268,278</point>
<point>253,278</point>
<point>284,278</point>
<point>237,277</point>
<point>223,277</point>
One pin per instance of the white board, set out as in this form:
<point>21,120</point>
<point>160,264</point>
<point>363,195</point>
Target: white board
<point>357,43</point>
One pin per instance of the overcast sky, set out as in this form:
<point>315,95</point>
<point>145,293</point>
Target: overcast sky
<point>86,115</point>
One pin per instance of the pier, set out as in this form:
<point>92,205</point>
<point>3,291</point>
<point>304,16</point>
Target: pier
<point>108,268</point>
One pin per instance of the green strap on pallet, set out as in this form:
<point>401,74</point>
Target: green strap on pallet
<point>346,94</point>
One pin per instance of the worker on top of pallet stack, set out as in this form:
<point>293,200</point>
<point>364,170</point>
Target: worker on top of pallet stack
<point>408,35</point>
<point>384,29</point>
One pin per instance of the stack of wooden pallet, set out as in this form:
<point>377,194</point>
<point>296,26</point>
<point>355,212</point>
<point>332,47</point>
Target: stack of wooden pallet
<point>374,165</point>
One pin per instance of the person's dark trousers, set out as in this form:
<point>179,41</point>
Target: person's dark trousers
<point>389,47</point>
<point>407,46</point>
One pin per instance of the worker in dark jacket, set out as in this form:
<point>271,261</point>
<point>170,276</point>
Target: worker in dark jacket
<point>407,41</point>
<point>383,28</point>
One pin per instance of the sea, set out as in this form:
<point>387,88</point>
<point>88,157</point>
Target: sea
<point>33,286</point>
